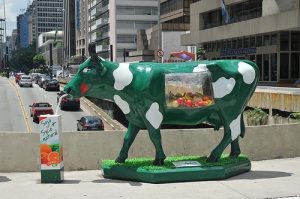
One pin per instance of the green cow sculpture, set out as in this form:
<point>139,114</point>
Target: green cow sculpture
<point>152,94</point>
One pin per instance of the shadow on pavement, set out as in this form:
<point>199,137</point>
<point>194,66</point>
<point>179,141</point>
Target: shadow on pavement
<point>4,179</point>
<point>252,175</point>
<point>63,182</point>
<point>117,181</point>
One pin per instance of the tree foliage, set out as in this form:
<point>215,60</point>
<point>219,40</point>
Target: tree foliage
<point>39,60</point>
<point>22,59</point>
<point>200,53</point>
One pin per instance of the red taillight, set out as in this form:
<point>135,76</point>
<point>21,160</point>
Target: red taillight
<point>77,100</point>
<point>64,99</point>
<point>85,126</point>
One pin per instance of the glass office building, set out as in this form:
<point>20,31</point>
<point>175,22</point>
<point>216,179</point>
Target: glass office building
<point>266,32</point>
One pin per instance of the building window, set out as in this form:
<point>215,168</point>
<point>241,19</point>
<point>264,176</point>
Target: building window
<point>295,64</point>
<point>266,40</point>
<point>274,39</point>
<point>295,41</point>
<point>258,41</point>
<point>252,41</point>
<point>284,41</point>
<point>266,67</point>
<point>246,42</point>
<point>273,67</point>
<point>284,65</point>
<point>259,64</point>
<point>233,44</point>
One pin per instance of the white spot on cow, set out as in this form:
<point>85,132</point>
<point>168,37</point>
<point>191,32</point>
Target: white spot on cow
<point>200,68</point>
<point>247,71</point>
<point>235,127</point>
<point>223,87</point>
<point>122,104</point>
<point>123,76</point>
<point>154,116</point>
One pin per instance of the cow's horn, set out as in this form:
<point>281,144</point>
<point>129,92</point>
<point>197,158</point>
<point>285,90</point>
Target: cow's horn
<point>92,51</point>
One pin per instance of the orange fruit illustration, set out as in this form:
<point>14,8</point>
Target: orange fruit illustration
<point>53,157</point>
<point>45,148</point>
<point>44,158</point>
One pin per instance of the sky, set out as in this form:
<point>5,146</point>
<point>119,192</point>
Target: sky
<point>12,9</point>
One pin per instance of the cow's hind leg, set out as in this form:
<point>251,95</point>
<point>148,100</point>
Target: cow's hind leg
<point>217,152</point>
<point>235,148</point>
<point>129,137</point>
<point>155,137</point>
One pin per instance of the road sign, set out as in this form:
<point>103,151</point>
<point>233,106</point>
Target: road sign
<point>160,53</point>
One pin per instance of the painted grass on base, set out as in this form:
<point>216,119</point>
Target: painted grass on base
<point>146,163</point>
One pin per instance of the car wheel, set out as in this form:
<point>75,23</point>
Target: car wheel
<point>78,128</point>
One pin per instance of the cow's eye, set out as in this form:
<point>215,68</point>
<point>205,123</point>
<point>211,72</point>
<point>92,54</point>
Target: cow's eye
<point>86,70</point>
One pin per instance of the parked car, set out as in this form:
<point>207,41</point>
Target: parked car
<point>90,123</point>
<point>51,84</point>
<point>68,101</point>
<point>41,80</point>
<point>34,76</point>
<point>25,80</point>
<point>40,108</point>
<point>18,76</point>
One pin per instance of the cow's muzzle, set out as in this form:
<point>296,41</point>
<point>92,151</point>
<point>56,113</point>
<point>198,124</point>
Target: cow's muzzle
<point>68,90</point>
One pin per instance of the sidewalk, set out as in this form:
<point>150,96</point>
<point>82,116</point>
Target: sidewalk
<point>267,179</point>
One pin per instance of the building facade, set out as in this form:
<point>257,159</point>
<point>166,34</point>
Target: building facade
<point>113,24</point>
<point>55,39</point>
<point>264,31</point>
<point>69,31</point>
<point>81,28</point>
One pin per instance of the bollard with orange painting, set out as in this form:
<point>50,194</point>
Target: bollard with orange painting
<point>51,150</point>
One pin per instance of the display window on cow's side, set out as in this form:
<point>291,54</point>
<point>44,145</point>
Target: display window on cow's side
<point>188,90</point>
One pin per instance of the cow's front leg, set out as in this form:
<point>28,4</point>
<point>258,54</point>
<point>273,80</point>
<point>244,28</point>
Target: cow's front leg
<point>129,137</point>
<point>155,137</point>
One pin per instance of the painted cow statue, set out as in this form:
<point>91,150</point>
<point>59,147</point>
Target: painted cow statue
<point>151,94</point>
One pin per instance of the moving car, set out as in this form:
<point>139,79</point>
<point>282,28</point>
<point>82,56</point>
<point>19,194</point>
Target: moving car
<point>41,79</point>
<point>25,80</point>
<point>18,77</point>
<point>90,123</point>
<point>68,101</point>
<point>51,84</point>
<point>40,108</point>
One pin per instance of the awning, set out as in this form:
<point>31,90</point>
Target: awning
<point>186,56</point>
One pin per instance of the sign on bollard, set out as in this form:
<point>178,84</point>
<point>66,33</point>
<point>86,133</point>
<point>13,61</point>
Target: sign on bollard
<point>51,149</point>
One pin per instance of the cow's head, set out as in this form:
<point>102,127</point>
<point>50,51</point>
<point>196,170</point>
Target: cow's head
<point>90,76</point>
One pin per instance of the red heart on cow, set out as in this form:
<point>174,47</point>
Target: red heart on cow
<point>84,88</point>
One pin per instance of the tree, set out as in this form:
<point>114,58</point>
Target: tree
<point>39,60</point>
<point>22,60</point>
<point>200,53</point>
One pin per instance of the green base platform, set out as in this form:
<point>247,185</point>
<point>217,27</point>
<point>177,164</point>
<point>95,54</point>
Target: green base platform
<point>52,176</point>
<point>140,169</point>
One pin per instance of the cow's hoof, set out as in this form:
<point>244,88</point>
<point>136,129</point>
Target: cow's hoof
<point>159,162</point>
<point>120,160</point>
<point>234,155</point>
<point>212,159</point>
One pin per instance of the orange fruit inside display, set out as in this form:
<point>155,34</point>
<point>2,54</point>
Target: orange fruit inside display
<point>44,158</point>
<point>53,157</point>
<point>45,148</point>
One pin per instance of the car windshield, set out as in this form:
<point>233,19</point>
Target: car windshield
<point>93,120</point>
<point>26,78</point>
<point>42,105</point>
